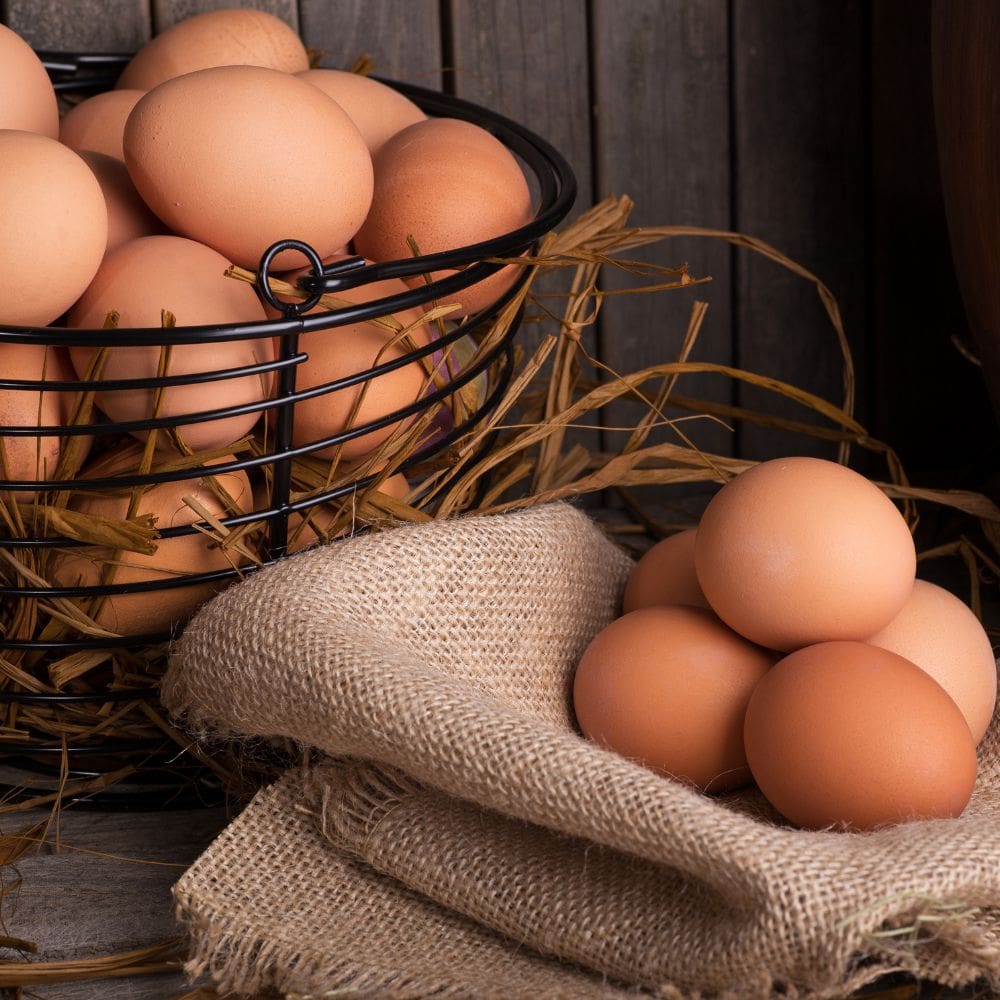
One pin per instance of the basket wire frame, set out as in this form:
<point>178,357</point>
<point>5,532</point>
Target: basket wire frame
<point>162,779</point>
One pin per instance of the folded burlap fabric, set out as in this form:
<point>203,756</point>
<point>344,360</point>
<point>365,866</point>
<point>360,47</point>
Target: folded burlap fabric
<point>462,839</point>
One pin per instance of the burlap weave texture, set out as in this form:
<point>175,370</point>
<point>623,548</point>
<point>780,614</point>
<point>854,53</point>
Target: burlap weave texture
<point>433,665</point>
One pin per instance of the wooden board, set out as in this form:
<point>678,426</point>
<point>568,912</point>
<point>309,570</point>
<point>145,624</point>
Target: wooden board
<point>81,26</point>
<point>402,37</point>
<point>661,94</point>
<point>105,889</point>
<point>529,61</point>
<point>799,106</point>
<point>168,12</point>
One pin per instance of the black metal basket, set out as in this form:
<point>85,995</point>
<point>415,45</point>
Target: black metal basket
<point>162,778</point>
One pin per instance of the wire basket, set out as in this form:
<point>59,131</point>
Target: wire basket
<point>49,725</point>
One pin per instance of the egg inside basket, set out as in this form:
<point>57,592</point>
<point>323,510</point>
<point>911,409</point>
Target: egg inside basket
<point>134,514</point>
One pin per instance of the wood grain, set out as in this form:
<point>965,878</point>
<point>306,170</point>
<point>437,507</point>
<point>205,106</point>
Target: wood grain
<point>79,25</point>
<point>167,12</point>
<point>105,889</point>
<point>529,61</point>
<point>661,89</point>
<point>799,106</point>
<point>403,37</point>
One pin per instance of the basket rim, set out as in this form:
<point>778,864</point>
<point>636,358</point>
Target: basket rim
<point>557,193</point>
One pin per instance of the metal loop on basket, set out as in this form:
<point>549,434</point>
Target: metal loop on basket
<point>288,309</point>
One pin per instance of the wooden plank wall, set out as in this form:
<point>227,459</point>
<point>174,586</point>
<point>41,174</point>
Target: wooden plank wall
<point>807,125</point>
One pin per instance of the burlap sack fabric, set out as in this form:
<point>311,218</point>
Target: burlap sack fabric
<point>460,838</point>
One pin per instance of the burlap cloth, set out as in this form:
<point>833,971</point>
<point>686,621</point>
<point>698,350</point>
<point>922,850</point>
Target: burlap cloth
<point>458,838</point>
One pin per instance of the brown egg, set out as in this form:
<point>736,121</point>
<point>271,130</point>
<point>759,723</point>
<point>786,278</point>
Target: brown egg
<point>848,735</point>
<point>165,609</point>
<point>128,215</point>
<point>800,550</point>
<point>216,38</point>
<point>27,97</point>
<point>34,457</point>
<point>665,575</point>
<point>98,123</point>
<point>940,634</point>
<point>313,529</point>
<point>153,273</point>
<point>378,110</point>
<point>341,353</point>
<point>55,228</point>
<point>668,687</point>
<point>449,184</point>
<point>239,157</point>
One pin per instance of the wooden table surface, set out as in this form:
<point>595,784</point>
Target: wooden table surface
<point>99,885</point>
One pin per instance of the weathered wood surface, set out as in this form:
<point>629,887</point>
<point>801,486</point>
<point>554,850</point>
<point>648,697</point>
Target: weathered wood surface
<point>495,52</point>
<point>100,885</point>
<point>403,37</point>
<point>167,12</point>
<point>80,26</point>
<point>799,164</point>
<point>661,97</point>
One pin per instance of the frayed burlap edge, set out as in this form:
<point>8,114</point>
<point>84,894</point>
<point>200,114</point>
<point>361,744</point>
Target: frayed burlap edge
<point>922,936</point>
<point>243,928</point>
<point>237,956</point>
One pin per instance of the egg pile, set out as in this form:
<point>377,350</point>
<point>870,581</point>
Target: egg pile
<point>217,141</point>
<point>786,641</point>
